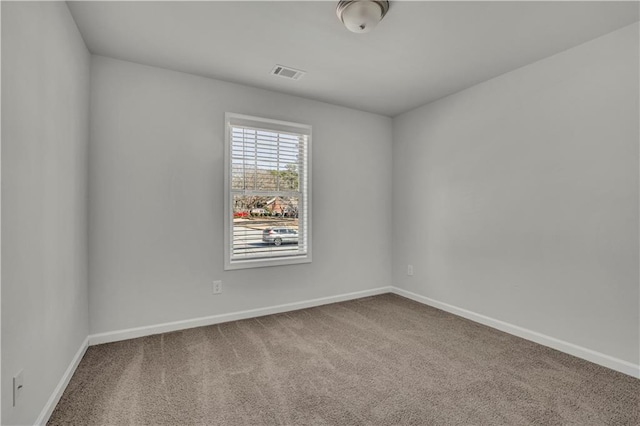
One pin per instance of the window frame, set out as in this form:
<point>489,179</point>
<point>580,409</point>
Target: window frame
<point>231,120</point>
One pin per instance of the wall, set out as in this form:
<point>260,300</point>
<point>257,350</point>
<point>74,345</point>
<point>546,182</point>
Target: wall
<point>156,184</point>
<point>518,198</point>
<point>45,100</point>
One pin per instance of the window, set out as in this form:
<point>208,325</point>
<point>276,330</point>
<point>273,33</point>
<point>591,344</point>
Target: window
<point>267,192</point>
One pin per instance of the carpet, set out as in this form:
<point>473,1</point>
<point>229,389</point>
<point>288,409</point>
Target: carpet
<point>382,360</point>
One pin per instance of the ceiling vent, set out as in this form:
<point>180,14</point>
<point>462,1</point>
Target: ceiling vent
<point>286,72</point>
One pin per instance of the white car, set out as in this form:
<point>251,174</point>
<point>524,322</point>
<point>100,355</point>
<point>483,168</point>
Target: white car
<point>258,212</point>
<point>278,236</point>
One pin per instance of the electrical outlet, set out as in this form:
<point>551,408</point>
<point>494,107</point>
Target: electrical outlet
<point>18,386</point>
<point>410,270</point>
<point>217,287</point>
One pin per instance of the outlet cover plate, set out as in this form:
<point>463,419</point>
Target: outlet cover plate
<point>18,386</point>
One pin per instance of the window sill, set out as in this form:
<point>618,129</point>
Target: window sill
<point>264,263</point>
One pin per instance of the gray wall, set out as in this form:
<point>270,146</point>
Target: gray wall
<point>45,100</point>
<point>156,211</point>
<point>518,198</point>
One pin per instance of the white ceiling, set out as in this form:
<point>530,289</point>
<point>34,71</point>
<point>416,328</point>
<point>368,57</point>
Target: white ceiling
<point>420,52</point>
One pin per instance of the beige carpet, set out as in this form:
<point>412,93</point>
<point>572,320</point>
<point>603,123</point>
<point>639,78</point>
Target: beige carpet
<point>381,360</point>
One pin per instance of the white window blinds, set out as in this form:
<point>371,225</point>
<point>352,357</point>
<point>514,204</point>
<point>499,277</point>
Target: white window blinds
<point>268,195</point>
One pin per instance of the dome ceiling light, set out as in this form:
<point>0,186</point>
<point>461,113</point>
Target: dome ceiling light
<point>361,16</point>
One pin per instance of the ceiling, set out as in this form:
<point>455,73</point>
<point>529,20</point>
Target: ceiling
<point>420,52</point>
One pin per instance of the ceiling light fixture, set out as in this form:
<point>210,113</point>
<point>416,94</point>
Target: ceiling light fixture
<point>361,16</point>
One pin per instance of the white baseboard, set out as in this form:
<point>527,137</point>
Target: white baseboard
<point>43,418</point>
<point>132,333</point>
<point>575,350</point>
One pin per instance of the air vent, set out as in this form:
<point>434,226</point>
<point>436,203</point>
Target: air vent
<point>286,72</point>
